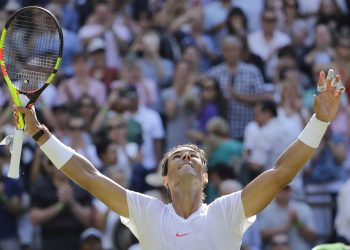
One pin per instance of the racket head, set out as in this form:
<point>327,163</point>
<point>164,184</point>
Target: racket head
<point>31,48</point>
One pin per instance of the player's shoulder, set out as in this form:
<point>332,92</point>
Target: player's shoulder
<point>233,198</point>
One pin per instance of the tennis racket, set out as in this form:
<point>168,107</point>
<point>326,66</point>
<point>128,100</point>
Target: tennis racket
<point>30,54</point>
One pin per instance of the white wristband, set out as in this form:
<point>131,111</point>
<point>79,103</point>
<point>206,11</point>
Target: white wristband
<point>313,132</point>
<point>58,153</point>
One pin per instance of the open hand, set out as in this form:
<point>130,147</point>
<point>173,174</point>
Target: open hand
<point>326,103</point>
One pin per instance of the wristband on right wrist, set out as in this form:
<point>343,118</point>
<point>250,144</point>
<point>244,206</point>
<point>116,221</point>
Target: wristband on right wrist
<point>313,132</point>
<point>58,153</point>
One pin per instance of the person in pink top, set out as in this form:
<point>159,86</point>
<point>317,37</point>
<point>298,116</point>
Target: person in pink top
<point>81,83</point>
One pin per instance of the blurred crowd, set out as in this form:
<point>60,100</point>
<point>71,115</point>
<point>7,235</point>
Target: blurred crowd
<point>235,77</point>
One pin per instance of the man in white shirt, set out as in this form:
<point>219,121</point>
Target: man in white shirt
<point>342,220</point>
<point>188,223</point>
<point>264,140</point>
<point>268,40</point>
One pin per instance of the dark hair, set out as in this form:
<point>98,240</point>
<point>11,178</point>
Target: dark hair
<point>286,3</point>
<point>235,11</point>
<point>219,99</point>
<point>102,146</point>
<point>269,106</point>
<point>165,159</point>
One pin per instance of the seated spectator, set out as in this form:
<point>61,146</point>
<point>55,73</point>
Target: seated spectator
<point>229,186</point>
<point>241,84</point>
<point>251,238</point>
<point>341,61</point>
<point>342,220</point>
<point>153,65</point>
<point>131,74</point>
<point>99,24</point>
<point>322,52</point>
<point>180,102</point>
<point>71,43</point>
<point>86,107</point>
<point>326,165</point>
<point>266,41</point>
<point>263,141</point>
<point>107,220</point>
<point>91,239</point>
<point>79,138</point>
<point>212,104</point>
<point>97,60</point>
<point>152,138</point>
<point>10,207</point>
<point>60,208</point>
<point>219,147</point>
<point>81,83</point>
<point>287,216</point>
<point>280,242</point>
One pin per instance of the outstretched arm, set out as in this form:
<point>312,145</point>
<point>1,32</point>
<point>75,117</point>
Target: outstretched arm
<point>260,192</point>
<point>78,168</point>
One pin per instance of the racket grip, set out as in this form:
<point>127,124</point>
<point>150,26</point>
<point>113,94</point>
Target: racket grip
<point>16,154</point>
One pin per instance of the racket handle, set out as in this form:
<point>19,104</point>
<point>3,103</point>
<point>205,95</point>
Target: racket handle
<point>16,154</point>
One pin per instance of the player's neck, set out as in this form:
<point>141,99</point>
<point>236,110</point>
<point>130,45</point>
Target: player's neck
<point>186,202</point>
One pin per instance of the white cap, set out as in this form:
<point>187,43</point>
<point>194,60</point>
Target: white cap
<point>90,232</point>
<point>155,179</point>
<point>95,44</point>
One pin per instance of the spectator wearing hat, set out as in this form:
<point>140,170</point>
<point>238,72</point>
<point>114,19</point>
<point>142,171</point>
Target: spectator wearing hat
<point>131,74</point>
<point>152,138</point>
<point>99,70</point>
<point>91,239</point>
<point>99,24</point>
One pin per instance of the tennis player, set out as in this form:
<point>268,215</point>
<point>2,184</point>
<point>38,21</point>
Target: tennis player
<point>188,223</point>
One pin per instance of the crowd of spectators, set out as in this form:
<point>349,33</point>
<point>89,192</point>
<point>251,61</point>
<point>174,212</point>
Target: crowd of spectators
<point>235,77</point>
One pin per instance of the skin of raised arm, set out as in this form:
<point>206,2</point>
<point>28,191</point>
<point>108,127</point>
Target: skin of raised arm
<point>82,172</point>
<point>260,192</point>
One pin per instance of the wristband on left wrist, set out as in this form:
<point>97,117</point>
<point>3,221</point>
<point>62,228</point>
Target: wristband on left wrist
<point>37,135</point>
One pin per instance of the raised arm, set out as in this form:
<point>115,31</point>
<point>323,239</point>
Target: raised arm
<point>260,192</point>
<point>76,167</point>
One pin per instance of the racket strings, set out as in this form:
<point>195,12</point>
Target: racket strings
<point>31,49</point>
